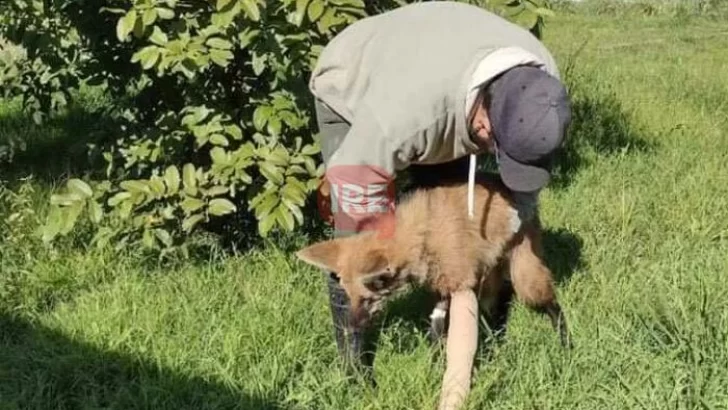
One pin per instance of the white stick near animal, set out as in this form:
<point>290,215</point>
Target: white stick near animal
<point>462,343</point>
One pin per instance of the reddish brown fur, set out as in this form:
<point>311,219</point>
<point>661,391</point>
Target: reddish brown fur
<point>436,244</point>
<point>532,280</point>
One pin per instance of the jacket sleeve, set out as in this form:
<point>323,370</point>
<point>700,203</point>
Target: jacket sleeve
<point>361,174</point>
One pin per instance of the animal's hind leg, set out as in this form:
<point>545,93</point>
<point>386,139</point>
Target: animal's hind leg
<point>495,297</point>
<point>533,281</point>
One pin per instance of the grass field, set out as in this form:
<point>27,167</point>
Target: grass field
<point>637,234</point>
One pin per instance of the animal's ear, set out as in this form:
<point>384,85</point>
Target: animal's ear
<point>324,255</point>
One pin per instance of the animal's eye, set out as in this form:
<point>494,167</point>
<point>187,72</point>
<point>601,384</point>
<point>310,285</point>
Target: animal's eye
<point>334,277</point>
<point>380,282</point>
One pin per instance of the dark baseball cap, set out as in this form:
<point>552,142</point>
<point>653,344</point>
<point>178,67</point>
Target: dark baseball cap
<point>529,112</point>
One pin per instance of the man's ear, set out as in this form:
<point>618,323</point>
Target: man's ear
<point>324,255</point>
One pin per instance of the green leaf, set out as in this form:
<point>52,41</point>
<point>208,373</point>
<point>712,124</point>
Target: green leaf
<point>165,13</point>
<point>149,17</point>
<point>274,126</point>
<point>219,139</point>
<point>310,149</point>
<point>119,198</point>
<point>147,55</point>
<point>216,190</point>
<point>271,172</point>
<point>188,67</point>
<point>278,156</point>
<point>138,27</point>
<point>65,199</point>
<point>95,211</point>
<point>234,131</point>
<point>222,3</point>
<point>191,221</point>
<point>70,217</point>
<point>258,199</point>
<point>221,206</point>
<point>258,63</point>
<point>315,10</point>
<point>295,210</point>
<point>221,57</point>
<point>219,43</point>
<point>251,9</point>
<point>189,179</point>
<point>294,193</point>
<point>328,20</point>
<point>171,177</point>
<point>542,11</point>
<point>79,187</point>
<point>223,18</point>
<point>310,165</point>
<point>265,225</point>
<point>247,36</point>
<point>135,186</point>
<point>300,10</point>
<point>198,114</point>
<point>190,205</point>
<point>148,239</point>
<point>295,169</point>
<point>112,10</point>
<point>245,151</point>
<point>266,205</point>
<point>526,18</point>
<point>353,3</point>
<point>158,37</point>
<point>219,156</point>
<point>125,25</point>
<point>261,115</point>
<point>163,236</point>
<point>157,186</point>
<point>285,218</point>
<point>52,226</point>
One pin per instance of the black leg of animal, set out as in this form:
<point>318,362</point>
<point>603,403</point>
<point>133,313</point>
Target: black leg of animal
<point>558,321</point>
<point>501,308</point>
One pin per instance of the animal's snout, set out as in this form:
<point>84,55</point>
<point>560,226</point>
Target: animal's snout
<point>359,317</point>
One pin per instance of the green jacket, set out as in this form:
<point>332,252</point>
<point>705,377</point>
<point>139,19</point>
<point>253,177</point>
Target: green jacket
<point>402,79</point>
<point>405,80</point>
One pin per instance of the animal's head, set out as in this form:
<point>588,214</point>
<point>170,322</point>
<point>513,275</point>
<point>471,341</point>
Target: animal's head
<point>364,266</point>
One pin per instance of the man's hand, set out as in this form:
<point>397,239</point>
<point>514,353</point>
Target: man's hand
<point>526,207</point>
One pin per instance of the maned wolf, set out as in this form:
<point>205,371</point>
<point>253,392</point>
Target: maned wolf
<point>432,241</point>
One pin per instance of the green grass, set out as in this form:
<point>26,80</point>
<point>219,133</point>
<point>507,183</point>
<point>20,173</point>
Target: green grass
<point>637,234</point>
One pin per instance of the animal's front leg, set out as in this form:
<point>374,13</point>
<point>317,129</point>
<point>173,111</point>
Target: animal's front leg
<point>438,320</point>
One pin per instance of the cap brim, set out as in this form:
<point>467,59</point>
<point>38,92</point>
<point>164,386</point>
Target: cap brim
<point>521,177</point>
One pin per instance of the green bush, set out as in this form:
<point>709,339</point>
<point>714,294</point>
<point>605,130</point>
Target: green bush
<point>211,105</point>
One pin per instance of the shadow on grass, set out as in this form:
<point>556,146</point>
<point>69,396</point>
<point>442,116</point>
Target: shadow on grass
<point>562,253</point>
<point>600,127</point>
<point>56,149</point>
<point>42,369</point>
